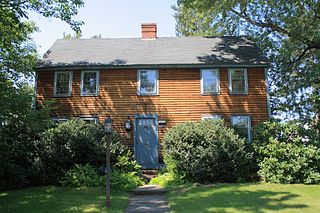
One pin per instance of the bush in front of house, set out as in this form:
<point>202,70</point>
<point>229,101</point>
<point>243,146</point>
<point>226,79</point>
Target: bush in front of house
<point>206,152</point>
<point>82,176</point>
<point>287,153</point>
<point>88,176</point>
<point>71,142</point>
<point>77,142</point>
<point>122,158</point>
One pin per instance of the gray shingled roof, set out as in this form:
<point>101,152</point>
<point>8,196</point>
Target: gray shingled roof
<point>216,51</point>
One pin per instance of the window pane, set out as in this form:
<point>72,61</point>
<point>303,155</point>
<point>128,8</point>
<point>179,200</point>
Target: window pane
<point>238,81</point>
<point>89,83</point>
<point>241,125</point>
<point>148,81</point>
<point>90,120</point>
<point>209,81</point>
<point>211,117</point>
<point>62,83</point>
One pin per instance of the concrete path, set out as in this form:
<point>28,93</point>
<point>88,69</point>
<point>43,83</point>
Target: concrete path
<point>148,198</point>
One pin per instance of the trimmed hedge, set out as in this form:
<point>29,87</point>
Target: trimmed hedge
<point>207,151</point>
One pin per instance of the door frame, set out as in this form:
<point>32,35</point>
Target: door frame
<point>146,116</point>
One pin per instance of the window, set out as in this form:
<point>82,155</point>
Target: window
<point>242,125</point>
<point>89,83</point>
<point>238,81</point>
<point>210,117</point>
<point>210,81</point>
<point>147,82</point>
<point>63,83</point>
<point>58,120</point>
<point>90,119</point>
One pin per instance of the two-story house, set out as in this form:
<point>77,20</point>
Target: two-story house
<point>155,83</point>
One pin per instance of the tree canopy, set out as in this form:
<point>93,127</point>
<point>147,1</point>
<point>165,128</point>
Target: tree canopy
<point>288,31</point>
<point>17,50</point>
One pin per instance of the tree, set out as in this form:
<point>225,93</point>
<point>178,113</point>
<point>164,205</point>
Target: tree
<point>18,52</point>
<point>288,31</point>
<point>77,35</point>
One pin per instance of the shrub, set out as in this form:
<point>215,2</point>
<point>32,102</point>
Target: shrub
<point>78,142</point>
<point>82,176</point>
<point>167,179</point>
<point>122,158</point>
<point>286,153</point>
<point>88,176</point>
<point>207,151</point>
<point>69,143</point>
<point>124,180</point>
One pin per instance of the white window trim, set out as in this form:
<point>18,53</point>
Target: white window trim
<point>245,81</point>
<point>210,116</point>
<point>249,124</point>
<point>157,82</point>
<point>55,84</point>
<point>95,119</point>
<point>218,82</point>
<point>97,82</point>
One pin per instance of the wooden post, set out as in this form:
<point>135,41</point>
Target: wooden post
<point>108,171</point>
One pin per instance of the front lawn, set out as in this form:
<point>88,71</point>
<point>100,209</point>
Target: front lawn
<point>250,197</point>
<point>60,199</point>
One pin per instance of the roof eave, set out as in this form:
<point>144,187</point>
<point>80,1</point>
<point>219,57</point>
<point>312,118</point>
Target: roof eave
<point>144,66</point>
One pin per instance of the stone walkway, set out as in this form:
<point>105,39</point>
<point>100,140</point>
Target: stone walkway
<point>148,198</point>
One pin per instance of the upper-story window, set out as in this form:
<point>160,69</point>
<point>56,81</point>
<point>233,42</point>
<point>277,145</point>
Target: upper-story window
<point>89,83</point>
<point>211,117</point>
<point>242,125</point>
<point>57,120</point>
<point>90,119</point>
<point>148,82</point>
<point>62,83</point>
<point>238,81</point>
<point>210,83</point>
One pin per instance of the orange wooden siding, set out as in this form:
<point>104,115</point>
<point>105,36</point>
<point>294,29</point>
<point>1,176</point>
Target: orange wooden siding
<point>179,98</point>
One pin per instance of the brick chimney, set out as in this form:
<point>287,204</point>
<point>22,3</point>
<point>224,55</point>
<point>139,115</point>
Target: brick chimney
<point>149,31</point>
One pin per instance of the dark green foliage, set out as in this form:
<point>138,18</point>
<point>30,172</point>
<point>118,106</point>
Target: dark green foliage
<point>20,128</point>
<point>207,151</point>
<point>82,176</point>
<point>78,142</point>
<point>69,143</point>
<point>18,52</point>
<point>88,176</point>
<point>121,158</point>
<point>287,153</point>
<point>124,180</point>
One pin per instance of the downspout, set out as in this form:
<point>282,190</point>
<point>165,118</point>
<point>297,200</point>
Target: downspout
<point>35,90</point>
<point>267,91</point>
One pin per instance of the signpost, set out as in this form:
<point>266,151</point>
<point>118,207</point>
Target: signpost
<point>108,131</point>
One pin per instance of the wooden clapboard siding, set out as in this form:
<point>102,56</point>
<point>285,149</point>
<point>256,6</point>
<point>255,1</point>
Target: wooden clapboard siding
<point>179,98</point>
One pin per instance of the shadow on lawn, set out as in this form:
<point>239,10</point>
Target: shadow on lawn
<point>58,199</point>
<point>225,198</point>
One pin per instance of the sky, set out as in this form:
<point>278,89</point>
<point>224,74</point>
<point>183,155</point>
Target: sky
<point>111,19</point>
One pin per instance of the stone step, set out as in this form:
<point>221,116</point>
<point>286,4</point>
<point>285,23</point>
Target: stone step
<point>149,190</point>
<point>148,174</point>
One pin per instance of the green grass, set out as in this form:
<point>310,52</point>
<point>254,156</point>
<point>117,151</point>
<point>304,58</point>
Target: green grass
<point>250,197</point>
<point>60,199</point>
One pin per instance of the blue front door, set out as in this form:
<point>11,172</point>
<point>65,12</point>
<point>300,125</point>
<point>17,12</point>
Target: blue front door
<point>146,140</point>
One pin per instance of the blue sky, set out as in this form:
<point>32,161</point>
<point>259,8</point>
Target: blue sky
<point>111,19</point>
